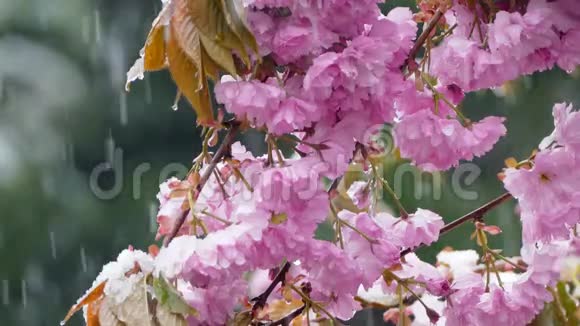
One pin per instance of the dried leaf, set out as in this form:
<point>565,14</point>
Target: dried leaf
<point>186,77</point>
<point>278,309</point>
<point>134,310</point>
<point>167,318</point>
<point>154,52</point>
<point>93,313</point>
<point>510,162</point>
<point>106,315</point>
<point>186,32</point>
<point>95,294</point>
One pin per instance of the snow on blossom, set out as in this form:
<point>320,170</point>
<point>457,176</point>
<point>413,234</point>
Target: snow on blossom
<point>435,143</point>
<point>554,178</point>
<point>124,273</point>
<point>173,203</point>
<point>435,282</point>
<point>455,263</point>
<point>420,314</point>
<point>171,259</point>
<point>378,293</point>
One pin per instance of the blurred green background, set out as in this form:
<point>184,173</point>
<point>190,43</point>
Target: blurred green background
<point>64,113</point>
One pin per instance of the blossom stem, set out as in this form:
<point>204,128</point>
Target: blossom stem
<point>338,226</point>
<point>404,285</point>
<point>439,96</point>
<point>314,304</point>
<point>387,187</point>
<point>215,217</point>
<point>445,34</point>
<point>501,257</point>
<point>359,232</point>
<point>422,38</point>
<point>403,212</point>
<point>222,151</point>
<point>286,320</point>
<point>474,215</point>
<point>260,301</point>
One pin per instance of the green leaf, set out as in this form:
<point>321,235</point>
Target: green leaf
<point>219,56</point>
<point>567,303</point>
<point>234,14</point>
<point>169,297</point>
<point>210,20</point>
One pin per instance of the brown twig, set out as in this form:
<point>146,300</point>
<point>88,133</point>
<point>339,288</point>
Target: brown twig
<point>260,301</point>
<point>334,185</point>
<point>222,151</point>
<point>423,37</point>
<point>475,215</point>
<point>286,320</point>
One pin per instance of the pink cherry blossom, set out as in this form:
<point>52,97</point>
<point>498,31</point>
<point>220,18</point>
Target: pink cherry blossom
<point>422,227</point>
<point>435,143</point>
<point>359,193</point>
<point>172,198</point>
<point>567,123</point>
<point>554,178</point>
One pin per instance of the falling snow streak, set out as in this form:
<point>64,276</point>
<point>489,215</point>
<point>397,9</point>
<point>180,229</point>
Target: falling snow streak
<point>5,293</point>
<point>52,245</point>
<point>124,115</point>
<point>110,148</point>
<point>83,260</point>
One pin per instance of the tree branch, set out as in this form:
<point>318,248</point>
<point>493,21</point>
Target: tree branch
<point>260,301</point>
<point>286,320</point>
<point>423,37</point>
<point>475,215</point>
<point>222,151</point>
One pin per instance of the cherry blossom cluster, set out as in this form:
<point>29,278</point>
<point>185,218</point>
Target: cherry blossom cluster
<point>240,229</point>
<point>483,54</point>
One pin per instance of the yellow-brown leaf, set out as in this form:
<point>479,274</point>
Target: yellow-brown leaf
<point>186,77</point>
<point>186,34</point>
<point>93,313</point>
<point>154,54</point>
<point>95,294</point>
